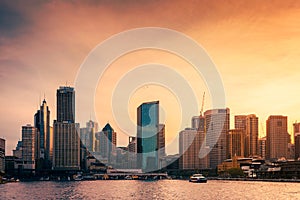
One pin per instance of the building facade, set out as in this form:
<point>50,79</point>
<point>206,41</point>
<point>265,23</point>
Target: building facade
<point>161,141</point>
<point>2,156</point>
<point>108,142</point>
<point>296,127</point>
<point>216,127</point>
<point>88,136</point>
<point>66,151</point>
<point>261,150</point>
<point>29,134</point>
<point>277,137</point>
<point>249,124</point>
<point>147,136</point>
<point>190,142</point>
<point>42,124</point>
<point>236,142</point>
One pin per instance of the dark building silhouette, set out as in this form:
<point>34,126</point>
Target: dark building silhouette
<point>65,99</point>
<point>66,155</point>
<point>43,144</point>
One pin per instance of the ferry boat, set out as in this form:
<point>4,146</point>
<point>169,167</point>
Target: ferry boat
<point>198,178</point>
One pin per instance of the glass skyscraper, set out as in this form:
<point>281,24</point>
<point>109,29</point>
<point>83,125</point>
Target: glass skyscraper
<point>147,136</point>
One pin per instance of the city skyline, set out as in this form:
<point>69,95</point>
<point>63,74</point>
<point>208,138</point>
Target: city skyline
<point>256,55</point>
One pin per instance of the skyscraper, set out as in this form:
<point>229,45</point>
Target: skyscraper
<point>161,141</point>
<point>29,134</point>
<point>297,140</point>
<point>236,142</point>
<point>108,142</point>
<point>277,137</point>
<point>190,141</point>
<point>147,135</point>
<point>65,100</point>
<point>216,126</point>
<point>2,156</point>
<point>249,124</point>
<point>66,155</point>
<point>88,135</point>
<point>188,149</point>
<point>42,123</point>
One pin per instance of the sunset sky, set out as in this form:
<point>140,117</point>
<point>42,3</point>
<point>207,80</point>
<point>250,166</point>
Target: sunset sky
<point>255,46</point>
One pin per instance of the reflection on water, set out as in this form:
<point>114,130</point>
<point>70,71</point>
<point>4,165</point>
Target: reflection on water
<point>163,189</point>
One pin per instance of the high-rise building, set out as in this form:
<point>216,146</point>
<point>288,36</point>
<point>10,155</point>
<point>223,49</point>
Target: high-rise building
<point>108,142</point>
<point>2,156</point>
<point>236,142</point>
<point>216,126</point>
<point>240,122</point>
<point>132,149</point>
<point>188,150</point>
<point>42,123</point>
<point>65,100</point>
<point>88,135</point>
<point>29,134</point>
<point>190,141</point>
<point>297,140</point>
<point>277,137</point>
<point>66,150</point>
<point>249,124</point>
<point>161,141</point>
<point>147,135</point>
<point>261,150</point>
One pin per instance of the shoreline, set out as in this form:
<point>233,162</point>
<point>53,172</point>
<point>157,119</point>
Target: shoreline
<point>256,179</point>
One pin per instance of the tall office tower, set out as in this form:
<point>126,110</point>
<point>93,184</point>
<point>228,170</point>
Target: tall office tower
<point>66,150</point>
<point>261,149</point>
<point>88,135</point>
<point>249,124</point>
<point>161,142</point>
<point>251,135</point>
<point>277,137</point>
<point>2,156</point>
<point>190,141</point>
<point>65,100</point>
<point>42,123</point>
<point>29,134</point>
<point>203,161</point>
<point>187,148</point>
<point>236,142</point>
<point>297,140</point>
<point>147,135</point>
<point>216,126</point>
<point>108,142</point>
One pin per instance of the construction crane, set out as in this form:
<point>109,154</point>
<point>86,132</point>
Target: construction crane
<point>201,111</point>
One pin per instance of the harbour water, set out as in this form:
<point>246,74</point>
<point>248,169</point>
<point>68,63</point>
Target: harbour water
<point>162,189</point>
